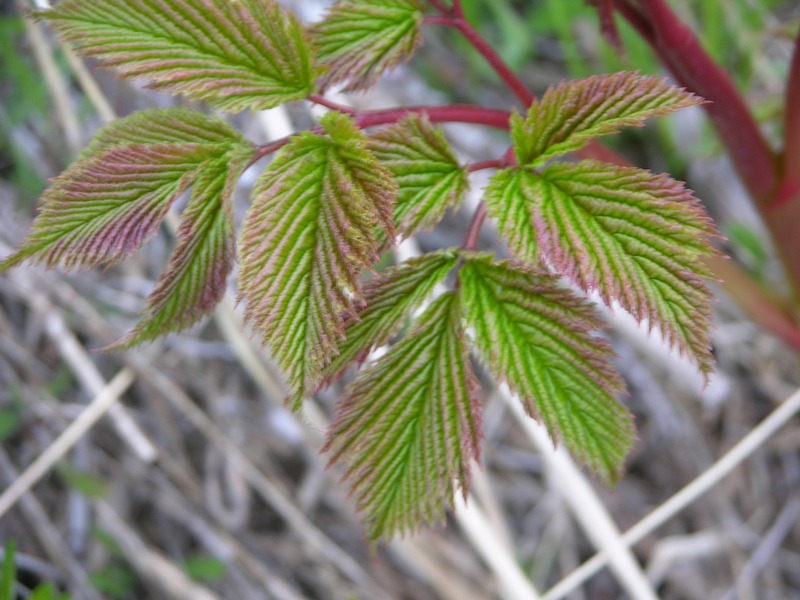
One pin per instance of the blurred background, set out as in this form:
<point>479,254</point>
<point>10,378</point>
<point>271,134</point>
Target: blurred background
<point>201,484</point>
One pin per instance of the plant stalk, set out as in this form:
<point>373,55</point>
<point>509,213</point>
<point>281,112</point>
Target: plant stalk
<point>452,113</point>
<point>455,18</point>
<point>479,216</point>
<point>772,181</point>
<point>681,52</point>
<point>790,159</point>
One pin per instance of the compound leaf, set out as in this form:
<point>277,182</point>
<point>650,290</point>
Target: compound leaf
<point>360,39</point>
<point>309,232</point>
<point>635,237</point>
<point>574,112</point>
<point>233,55</point>
<point>428,173</point>
<point>409,425</point>
<point>537,337</point>
<point>195,278</point>
<point>107,204</point>
<point>389,299</point>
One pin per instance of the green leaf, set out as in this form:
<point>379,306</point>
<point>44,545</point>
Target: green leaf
<point>47,591</point>
<point>8,573</point>
<point>109,542</point>
<point>204,568</point>
<point>637,238</point>
<point>106,205</point>
<point>428,173</point>
<point>11,416</point>
<point>505,201</point>
<point>116,581</point>
<point>307,236</point>
<point>389,299</point>
<point>195,278</point>
<point>409,425</point>
<point>156,126</point>
<point>234,55</point>
<point>360,39</point>
<point>82,482</point>
<point>569,115</point>
<point>537,337</point>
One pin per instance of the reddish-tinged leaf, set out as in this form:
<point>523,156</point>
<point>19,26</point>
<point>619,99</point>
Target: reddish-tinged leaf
<point>195,278</point>
<point>389,299</point>
<point>234,55</point>
<point>569,115</point>
<point>104,208</point>
<point>635,237</point>
<point>360,39</point>
<point>426,169</point>
<point>307,236</point>
<point>157,126</point>
<point>409,426</point>
<point>106,205</point>
<point>537,337</point>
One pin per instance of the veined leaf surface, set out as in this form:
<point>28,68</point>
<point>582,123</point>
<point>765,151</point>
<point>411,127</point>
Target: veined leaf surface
<point>505,201</point>
<point>106,205</point>
<point>428,173</point>
<point>409,425</point>
<point>537,337</point>
<point>635,237</point>
<point>389,299</point>
<point>234,55</point>
<point>569,115</point>
<point>195,278</point>
<point>360,39</point>
<point>155,126</point>
<point>309,232</point>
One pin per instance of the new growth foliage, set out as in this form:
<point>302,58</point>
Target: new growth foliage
<point>334,198</point>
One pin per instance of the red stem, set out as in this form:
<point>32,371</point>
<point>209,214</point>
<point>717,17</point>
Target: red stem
<point>790,160</point>
<point>758,304</point>
<point>634,16</point>
<point>323,101</point>
<point>267,149</point>
<point>455,19</point>
<point>479,216</point>
<point>691,65</point>
<point>448,113</point>
<point>438,20</point>
<point>497,163</point>
<point>451,113</point>
<point>471,238</point>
